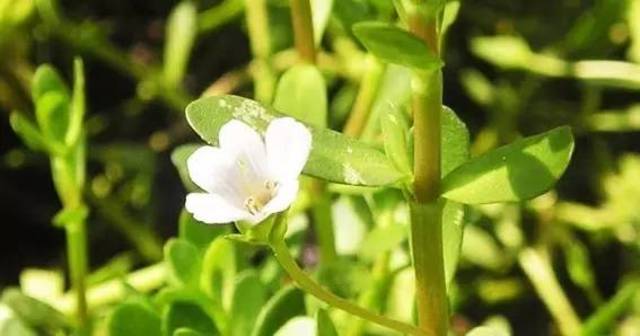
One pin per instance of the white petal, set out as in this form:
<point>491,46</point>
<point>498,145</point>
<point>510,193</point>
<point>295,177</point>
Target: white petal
<point>288,143</point>
<point>285,195</point>
<point>246,145</point>
<point>213,170</point>
<point>213,209</point>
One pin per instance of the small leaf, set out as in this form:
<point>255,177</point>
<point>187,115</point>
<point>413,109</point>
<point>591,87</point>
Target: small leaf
<point>184,263</point>
<point>186,315</point>
<point>395,45</point>
<point>35,313</point>
<point>395,130</point>
<point>486,331</point>
<point>181,32</point>
<point>382,239</point>
<point>52,115</point>
<point>284,305</point>
<point>248,298</point>
<point>452,232</point>
<point>334,157</point>
<point>197,233</point>
<point>302,94</point>
<point>45,80</point>
<point>179,158</point>
<point>324,325</point>
<point>186,332</point>
<point>519,171</point>
<point>455,141</point>
<point>68,216</point>
<point>27,131</point>
<point>78,104</point>
<point>218,271</point>
<point>129,319</point>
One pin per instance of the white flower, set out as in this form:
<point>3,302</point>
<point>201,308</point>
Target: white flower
<point>247,178</point>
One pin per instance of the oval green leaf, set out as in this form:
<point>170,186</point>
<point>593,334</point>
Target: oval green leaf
<point>395,45</point>
<point>302,94</point>
<point>519,171</point>
<point>248,297</point>
<point>183,259</point>
<point>183,314</point>
<point>334,157</point>
<point>284,305</point>
<point>130,319</point>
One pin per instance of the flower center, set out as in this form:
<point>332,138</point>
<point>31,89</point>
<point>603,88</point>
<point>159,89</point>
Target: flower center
<point>259,198</point>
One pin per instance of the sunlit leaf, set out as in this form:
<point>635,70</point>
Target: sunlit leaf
<point>133,319</point>
<point>27,131</point>
<point>302,94</point>
<point>183,260</point>
<point>452,232</point>
<point>248,298</point>
<point>300,325</point>
<point>52,115</point>
<point>35,313</point>
<point>320,11</point>
<point>395,130</point>
<point>486,331</point>
<point>519,171</point>
<point>284,305</point>
<point>179,158</point>
<point>395,45</point>
<point>334,157</point>
<point>219,270</point>
<point>46,79</point>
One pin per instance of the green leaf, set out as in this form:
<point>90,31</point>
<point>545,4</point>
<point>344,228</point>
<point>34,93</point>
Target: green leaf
<point>52,115</point>
<point>131,319</point>
<point>455,141</point>
<point>78,104</point>
<point>452,232</point>
<point>320,12</point>
<point>395,45</point>
<point>10,325</point>
<point>334,157</point>
<point>324,325</point>
<point>45,80</point>
<point>181,32</point>
<point>395,130</point>
<point>35,313</point>
<point>197,233</point>
<point>179,158</point>
<point>302,94</point>
<point>219,270</point>
<point>284,305</point>
<point>519,171</point>
<point>28,132</point>
<point>183,260</point>
<point>183,314</point>
<point>382,239</point>
<point>248,298</point>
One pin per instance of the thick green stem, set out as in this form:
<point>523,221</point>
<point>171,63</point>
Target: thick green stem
<point>78,264</point>
<point>428,263</point>
<point>258,24</point>
<point>302,280</point>
<point>303,30</point>
<point>538,269</point>
<point>426,213</point>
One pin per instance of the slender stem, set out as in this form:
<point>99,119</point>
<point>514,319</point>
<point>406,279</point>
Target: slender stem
<point>322,221</point>
<point>219,15</point>
<point>77,259</point>
<point>600,322</point>
<point>281,252</point>
<point>303,30</point>
<point>366,96</point>
<point>259,36</point>
<point>538,269</point>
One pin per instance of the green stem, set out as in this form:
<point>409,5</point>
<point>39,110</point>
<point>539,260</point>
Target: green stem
<point>426,213</point>
<point>259,36</point>
<point>600,322</point>
<point>219,15</point>
<point>428,264</point>
<point>322,221</point>
<point>303,30</point>
<point>77,258</point>
<point>538,269</point>
<point>365,99</point>
<point>281,252</point>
